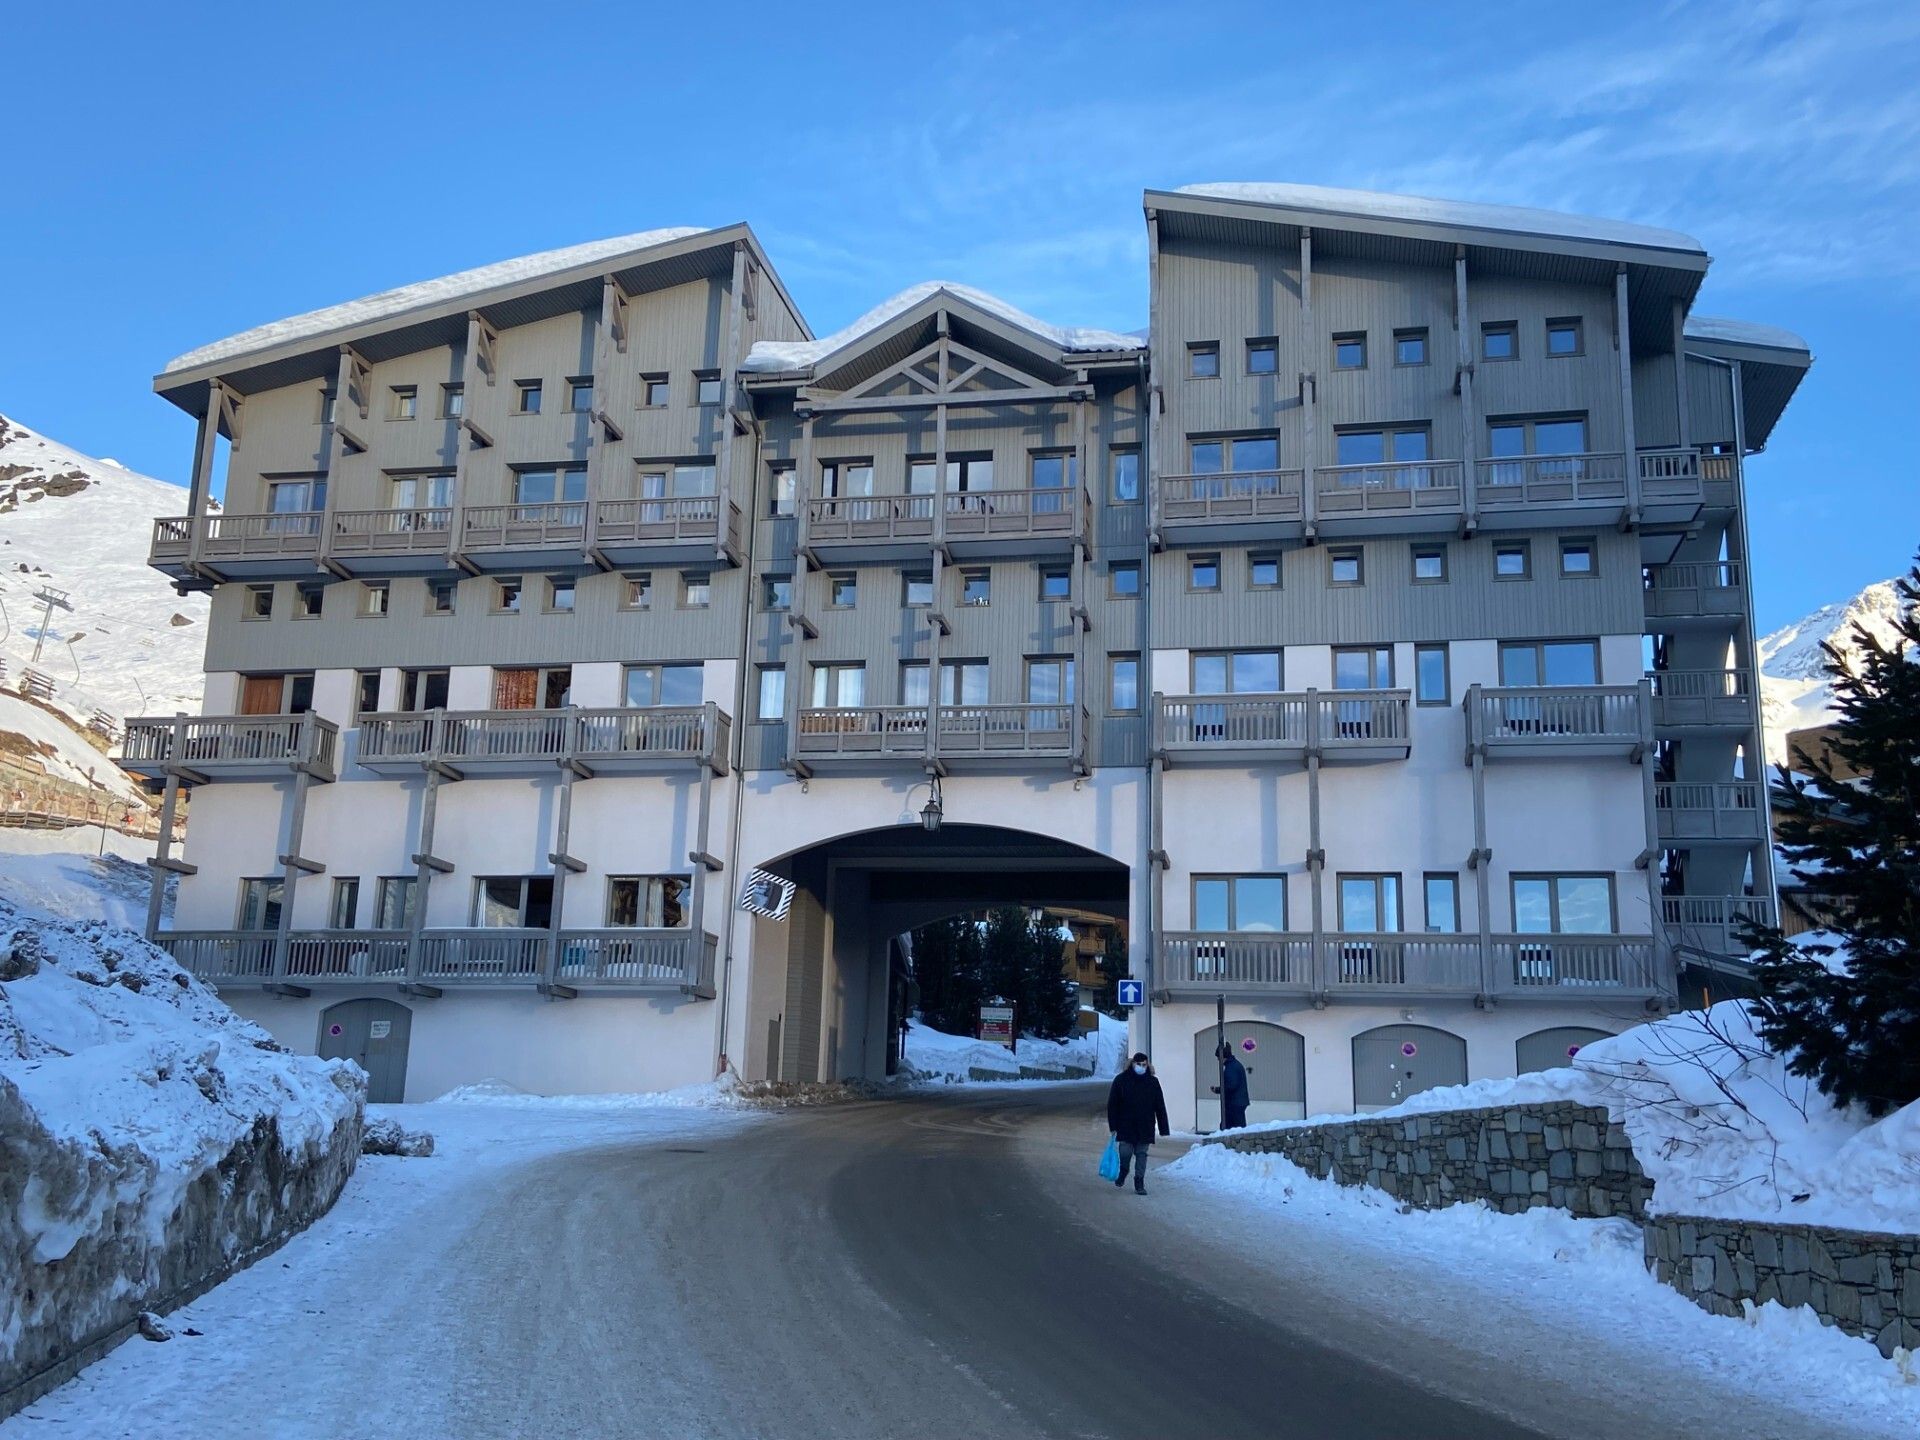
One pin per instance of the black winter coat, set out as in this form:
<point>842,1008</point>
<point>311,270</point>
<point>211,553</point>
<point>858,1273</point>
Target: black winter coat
<point>1134,1104</point>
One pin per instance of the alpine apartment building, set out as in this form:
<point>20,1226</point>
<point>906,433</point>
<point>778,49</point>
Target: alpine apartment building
<point>604,671</point>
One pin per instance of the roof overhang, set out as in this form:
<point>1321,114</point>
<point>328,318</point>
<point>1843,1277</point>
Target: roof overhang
<point>1769,376</point>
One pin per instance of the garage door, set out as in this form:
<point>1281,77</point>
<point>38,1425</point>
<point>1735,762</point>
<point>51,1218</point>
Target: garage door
<point>1276,1061</point>
<point>373,1033</point>
<point>1397,1061</point>
<point>1550,1049</point>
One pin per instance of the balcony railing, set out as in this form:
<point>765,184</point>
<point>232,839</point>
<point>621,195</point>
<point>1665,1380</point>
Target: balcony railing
<point>1237,960</point>
<point>553,525</point>
<point>1238,495</point>
<point>852,518</point>
<point>1014,731</point>
<point>294,535</point>
<point>1568,720</point>
<point>483,956</point>
<point>634,957</point>
<point>1721,699</point>
<point>957,733</point>
<point>1398,489</point>
<point>1575,966</point>
<point>172,541</point>
<point>664,520</point>
<point>231,746</point>
<point>1669,477</point>
<point>365,533</point>
<point>610,738</point>
<point>1599,967</point>
<point>1719,480</point>
<point>222,955</point>
<point>1683,591</point>
<point>1710,810</point>
<point>1398,963</point>
<point>1712,922</point>
<point>1353,724</point>
<point>1013,514</point>
<point>1546,481</point>
<point>347,955</point>
<point>861,732</point>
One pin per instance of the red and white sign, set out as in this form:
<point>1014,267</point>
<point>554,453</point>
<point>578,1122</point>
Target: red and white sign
<point>996,1025</point>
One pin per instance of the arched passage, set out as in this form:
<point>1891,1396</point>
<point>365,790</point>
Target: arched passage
<point>1394,1062</point>
<point>1276,1061</point>
<point>1551,1048</point>
<point>374,1034</point>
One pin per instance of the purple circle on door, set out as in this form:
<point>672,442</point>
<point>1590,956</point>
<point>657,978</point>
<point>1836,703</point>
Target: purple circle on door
<point>1249,1045</point>
<point>1409,1049</point>
<point>1572,1050</point>
<point>333,1029</point>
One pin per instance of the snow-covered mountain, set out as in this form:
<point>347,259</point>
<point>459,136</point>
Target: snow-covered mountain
<point>129,645</point>
<point>1794,690</point>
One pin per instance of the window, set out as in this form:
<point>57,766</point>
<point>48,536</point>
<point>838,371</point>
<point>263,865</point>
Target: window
<point>846,479</point>
<point>1240,902</point>
<point>1123,684</point>
<point>843,589</point>
<point>1381,447</point>
<point>1247,454</point>
<point>1049,681</point>
<point>259,602</point>
<point>1344,567</point>
<point>441,595</point>
<point>532,687</point>
<point>1410,347</point>
<point>1442,895</point>
<point>1576,557</point>
<point>976,587</point>
<point>1500,340</point>
<point>962,682</point>
<point>506,595</point>
<point>776,592</point>
<point>308,600</point>
<point>1511,561</point>
<point>1124,466</point>
<point>1430,682</point>
<point>1565,336</point>
<point>636,590</point>
<point>1056,583</point>
<point>325,416</point>
<point>706,387</point>
<point>1263,356</point>
<point>1369,904</point>
<point>404,403</point>
<point>366,692</point>
<point>393,902</point>
<point>343,909</point>
<point>653,902</point>
<point>916,589</point>
<point>1056,473</point>
<point>296,497</point>
<point>580,394</point>
<point>1123,579</point>
<point>1350,352</point>
<point>513,902</point>
<point>771,701</point>
<point>1550,662</point>
<point>1203,573</point>
<point>654,391</point>
<point>1563,904</point>
<point>421,492</point>
<point>422,690</point>
<point>550,487</point>
<point>696,589</point>
<point>1203,360</point>
<point>1546,435</point>
<point>373,598</point>
<point>1429,564</point>
<point>839,686</point>
<point>780,490</point>
<point>648,685</point>
<point>660,480</point>
<point>560,593</point>
<point>260,903</point>
<point>1363,667</point>
<point>528,391</point>
<point>1236,672</point>
<point>1263,572</point>
<point>453,401</point>
<point>276,694</point>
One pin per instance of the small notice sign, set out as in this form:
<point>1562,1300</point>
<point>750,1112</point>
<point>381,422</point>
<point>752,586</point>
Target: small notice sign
<point>379,1029</point>
<point>996,1025</point>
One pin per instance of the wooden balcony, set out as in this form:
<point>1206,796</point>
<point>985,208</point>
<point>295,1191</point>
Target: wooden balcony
<point>1282,729</point>
<point>869,527</point>
<point>204,748</point>
<point>1670,487</point>
<point>1704,700</point>
<point>862,735</point>
<point>1522,491</point>
<point>509,537</point>
<point>1693,596</point>
<point>171,549</point>
<point>1198,963</point>
<point>1557,721</point>
<point>1719,481</point>
<point>665,530</point>
<point>965,737</point>
<point>1396,964</point>
<point>391,542</point>
<point>600,741</point>
<point>633,959</point>
<point>1242,505</point>
<point>1711,923</point>
<point>1601,968</point>
<point>983,524</point>
<point>222,956</point>
<point>483,956</point>
<point>1417,497</point>
<point>225,546</point>
<point>1724,812</point>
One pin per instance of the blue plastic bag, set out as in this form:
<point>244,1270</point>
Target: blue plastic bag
<point>1110,1159</point>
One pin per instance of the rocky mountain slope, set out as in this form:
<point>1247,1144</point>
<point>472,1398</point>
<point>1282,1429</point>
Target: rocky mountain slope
<point>1795,692</point>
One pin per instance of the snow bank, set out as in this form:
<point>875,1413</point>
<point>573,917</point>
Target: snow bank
<point>391,303</point>
<point>77,873</point>
<point>958,1059</point>
<point>799,354</point>
<point>150,1139</point>
<point>708,1095</point>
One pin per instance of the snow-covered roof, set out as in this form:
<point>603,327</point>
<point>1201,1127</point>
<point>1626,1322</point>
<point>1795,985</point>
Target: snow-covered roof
<point>774,355</point>
<point>390,303</point>
<point>1741,332</point>
<point>1419,209</point>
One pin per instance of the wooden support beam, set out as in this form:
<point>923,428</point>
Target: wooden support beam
<point>706,861</point>
<point>171,865</point>
<point>187,775</point>
<point>567,862</point>
<point>290,992</point>
<point>797,620</point>
<point>554,990</point>
<point>972,399</point>
<point>424,992</point>
<point>433,863</point>
<point>302,864</point>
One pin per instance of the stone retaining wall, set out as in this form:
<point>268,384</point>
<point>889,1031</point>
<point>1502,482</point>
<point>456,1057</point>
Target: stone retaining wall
<point>1514,1158</point>
<point>1864,1283</point>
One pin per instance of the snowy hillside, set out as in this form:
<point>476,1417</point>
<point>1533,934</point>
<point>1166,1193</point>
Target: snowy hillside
<point>1794,690</point>
<point>36,738</point>
<point>129,645</point>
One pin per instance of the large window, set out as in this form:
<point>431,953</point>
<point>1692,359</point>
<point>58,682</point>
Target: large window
<point>1546,435</point>
<point>662,684</point>
<point>772,697</point>
<point>1563,904</point>
<point>780,489</point>
<point>1124,688</point>
<point>839,686</point>
<point>1442,904</point>
<point>260,903</point>
<point>549,487</point>
<point>1240,902</point>
<point>393,902</point>
<point>1550,662</point>
<point>343,905</point>
<point>513,902</point>
<point>421,492</point>
<point>1370,904</point>
<point>1056,472</point>
<point>845,479</point>
<point>655,902</point>
<point>1363,667</point>
<point>1407,443</point>
<point>1236,672</point>
<point>1243,455</point>
<point>423,690</point>
<point>1430,683</point>
<point>1125,465</point>
<point>297,497</point>
<point>962,682</point>
<point>1050,680</point>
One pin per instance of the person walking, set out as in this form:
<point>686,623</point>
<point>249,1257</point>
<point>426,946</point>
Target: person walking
<point>1134,1106</point>
<point>1232,1090</point>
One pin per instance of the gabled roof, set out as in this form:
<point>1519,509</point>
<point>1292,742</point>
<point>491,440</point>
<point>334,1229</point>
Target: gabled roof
<point>827,353</point>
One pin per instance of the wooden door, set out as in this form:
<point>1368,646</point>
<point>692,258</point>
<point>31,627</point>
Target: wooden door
<point>516,689</point>
<point>260,695</point>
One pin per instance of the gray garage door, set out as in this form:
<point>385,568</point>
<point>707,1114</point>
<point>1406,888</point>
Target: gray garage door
<point>1550,1049</point>
<point>1276,1061</point>
<point>374,1033</point>
<point>1397,1061</point>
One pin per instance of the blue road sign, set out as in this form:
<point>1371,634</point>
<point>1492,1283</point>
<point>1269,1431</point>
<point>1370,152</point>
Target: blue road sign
<point>1133,992</point>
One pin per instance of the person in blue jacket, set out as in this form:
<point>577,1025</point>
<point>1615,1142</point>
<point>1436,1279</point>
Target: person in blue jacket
<point>1232,1090</point>
<point>1134,1104</point>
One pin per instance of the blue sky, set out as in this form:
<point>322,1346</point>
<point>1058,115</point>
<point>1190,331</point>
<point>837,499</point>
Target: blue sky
<point>177,175</point>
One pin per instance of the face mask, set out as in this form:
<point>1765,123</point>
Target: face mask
<point>1139,1069</point>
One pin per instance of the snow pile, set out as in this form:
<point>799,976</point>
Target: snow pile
<point>1420,209</point>
<point>129,646</point>
<point>709,1095</point>
<point>799,354</point>
<point>149,1137</point>
<point>79,873</point>
<point>1795,692</point>
<point>389,304</point>
<point>956,1059</point>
